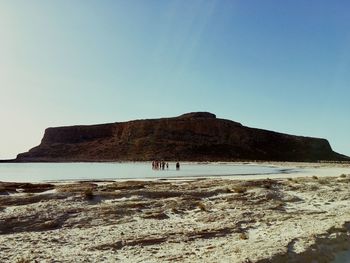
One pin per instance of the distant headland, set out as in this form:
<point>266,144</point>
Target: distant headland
<point>196,136</point>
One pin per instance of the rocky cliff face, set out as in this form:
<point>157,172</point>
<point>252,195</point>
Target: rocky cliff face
<point>198,136</point>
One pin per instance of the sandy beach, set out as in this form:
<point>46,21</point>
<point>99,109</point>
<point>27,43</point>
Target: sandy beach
<point>184,220</point>
<point>174,131</point>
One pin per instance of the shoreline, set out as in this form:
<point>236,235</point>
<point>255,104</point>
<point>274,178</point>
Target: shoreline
<point>28,172</point>
<point>189,220</point>
<point>182,161</point>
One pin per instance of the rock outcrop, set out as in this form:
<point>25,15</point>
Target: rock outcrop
<point>198,136</point>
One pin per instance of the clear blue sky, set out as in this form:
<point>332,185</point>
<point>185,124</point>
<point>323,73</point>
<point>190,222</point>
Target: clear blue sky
<point>278,65</point>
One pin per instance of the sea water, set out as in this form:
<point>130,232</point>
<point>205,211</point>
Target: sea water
<point>36,172</point>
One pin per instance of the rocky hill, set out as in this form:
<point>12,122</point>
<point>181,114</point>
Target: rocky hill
<point>198,136</point>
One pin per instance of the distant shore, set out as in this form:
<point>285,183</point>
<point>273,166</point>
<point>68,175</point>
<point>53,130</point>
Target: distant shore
<point>188,220</point>
<point>183,161</point>
<point>8,161</point>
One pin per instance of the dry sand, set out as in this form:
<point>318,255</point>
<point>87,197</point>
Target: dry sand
<point>195,220</point>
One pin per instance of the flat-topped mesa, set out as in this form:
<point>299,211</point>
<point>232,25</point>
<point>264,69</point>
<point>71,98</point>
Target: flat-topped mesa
<point>197,115</point>
<point>196,136</point>
<point>203,116</point>
<point>77,134</point>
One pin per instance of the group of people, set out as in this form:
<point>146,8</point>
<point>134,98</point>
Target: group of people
<point>161,165</point>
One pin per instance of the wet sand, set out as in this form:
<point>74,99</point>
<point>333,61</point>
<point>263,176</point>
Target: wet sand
<point>185,220</point>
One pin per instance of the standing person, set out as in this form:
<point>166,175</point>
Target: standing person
<point>167,165</point>
<point>177,166</point>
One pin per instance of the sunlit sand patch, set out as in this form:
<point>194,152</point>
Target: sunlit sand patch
<point>268,220</point>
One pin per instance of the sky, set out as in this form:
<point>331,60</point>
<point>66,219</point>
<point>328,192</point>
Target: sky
<point>276,65</point>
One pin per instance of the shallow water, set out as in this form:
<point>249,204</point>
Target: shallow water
<point>37,172</point>
<point>34,172</point>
